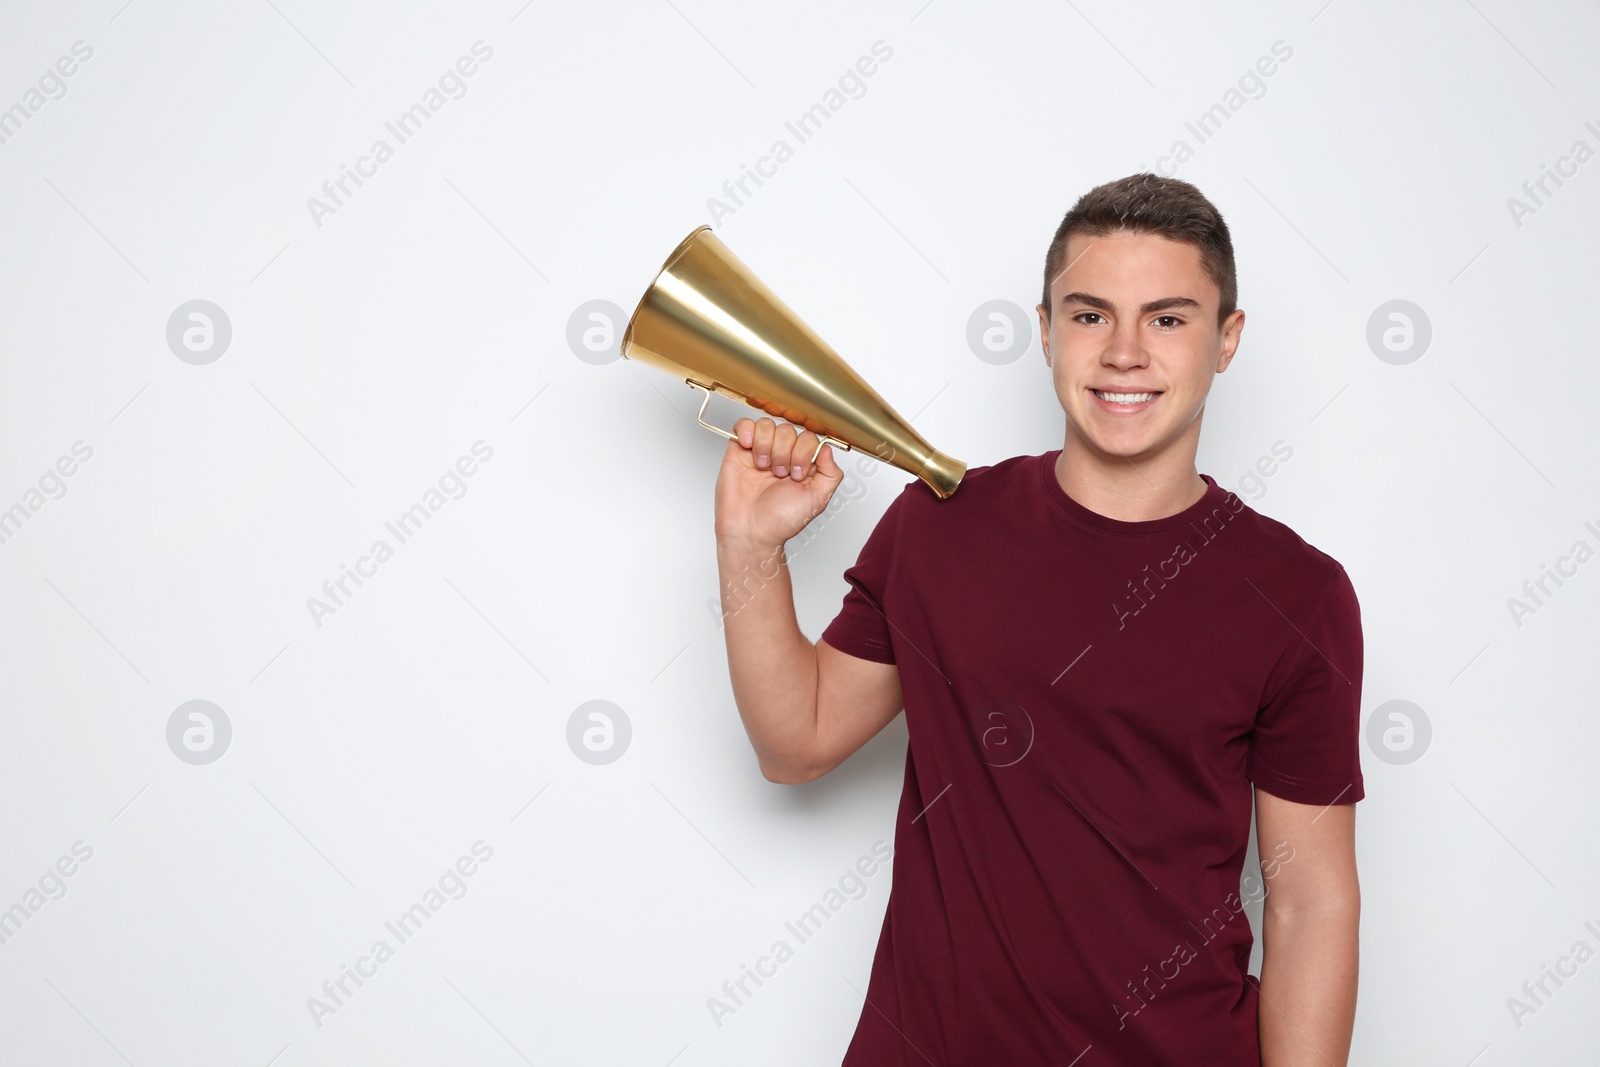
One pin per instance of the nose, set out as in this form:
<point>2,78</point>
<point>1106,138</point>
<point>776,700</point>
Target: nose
<point>1124,351</point>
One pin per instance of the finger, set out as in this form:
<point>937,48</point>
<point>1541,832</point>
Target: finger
<point>826,466</point>
<point>764,430</point>
<point>745,430</point>
<point>782,449</point>
<point>800,461</point>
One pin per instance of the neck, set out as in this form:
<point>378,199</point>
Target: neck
<point>1129,490</point>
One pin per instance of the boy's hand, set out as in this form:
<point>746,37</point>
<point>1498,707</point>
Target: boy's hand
<point>768,489</point>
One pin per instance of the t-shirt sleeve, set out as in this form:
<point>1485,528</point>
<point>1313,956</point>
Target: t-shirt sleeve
<point>861,628</point>
<point>1306,744</point>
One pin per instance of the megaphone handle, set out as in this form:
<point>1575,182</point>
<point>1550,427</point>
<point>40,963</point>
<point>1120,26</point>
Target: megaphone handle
<point>823,438</point>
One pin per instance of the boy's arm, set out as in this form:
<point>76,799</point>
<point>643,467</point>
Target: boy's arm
<point>805,705</point>
<point>1310,930</point>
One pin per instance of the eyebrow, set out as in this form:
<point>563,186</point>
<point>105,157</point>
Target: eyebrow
<point>1164,304</point>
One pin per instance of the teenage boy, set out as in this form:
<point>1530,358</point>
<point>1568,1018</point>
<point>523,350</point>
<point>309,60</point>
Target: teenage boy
<point>1104,657</point>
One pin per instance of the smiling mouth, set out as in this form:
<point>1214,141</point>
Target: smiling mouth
<point>1125,401</point>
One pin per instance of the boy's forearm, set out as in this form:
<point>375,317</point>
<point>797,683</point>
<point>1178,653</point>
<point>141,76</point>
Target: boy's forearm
<point>773,666</point>
<point>1308,985</point>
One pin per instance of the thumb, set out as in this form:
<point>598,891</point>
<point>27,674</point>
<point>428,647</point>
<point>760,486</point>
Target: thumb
<point>826,469</point>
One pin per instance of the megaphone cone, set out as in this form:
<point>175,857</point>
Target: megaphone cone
<point>709,320</point>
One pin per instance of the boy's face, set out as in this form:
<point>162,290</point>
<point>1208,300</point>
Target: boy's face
<point>1135,314</point>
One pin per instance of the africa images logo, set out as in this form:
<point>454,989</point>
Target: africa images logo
<point>1142,591</point>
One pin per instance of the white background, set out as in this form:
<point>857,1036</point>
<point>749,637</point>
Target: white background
<point>431,311</point>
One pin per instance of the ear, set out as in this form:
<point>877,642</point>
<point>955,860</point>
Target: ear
<point>1044,333</point>
<point>1233,328</point>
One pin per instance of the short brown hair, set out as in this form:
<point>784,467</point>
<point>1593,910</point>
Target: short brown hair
<point>1149,203</point>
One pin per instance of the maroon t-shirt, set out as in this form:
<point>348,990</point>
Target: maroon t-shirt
<point>1088,702</point>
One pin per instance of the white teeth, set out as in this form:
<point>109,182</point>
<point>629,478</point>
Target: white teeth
<point>1125,398</point>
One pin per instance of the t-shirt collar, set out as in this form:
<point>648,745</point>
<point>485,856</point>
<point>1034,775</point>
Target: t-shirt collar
<point>1210,501</point>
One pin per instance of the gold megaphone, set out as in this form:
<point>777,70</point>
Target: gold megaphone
<point>710,321</point>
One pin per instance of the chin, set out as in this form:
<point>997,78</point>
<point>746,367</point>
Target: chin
<point>1126,443</point>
